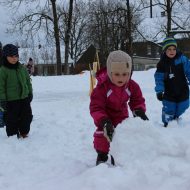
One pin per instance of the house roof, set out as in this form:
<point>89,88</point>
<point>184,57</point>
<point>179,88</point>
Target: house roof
<point>88,56</point>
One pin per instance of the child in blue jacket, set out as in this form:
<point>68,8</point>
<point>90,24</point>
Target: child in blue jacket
<point>171,79</point>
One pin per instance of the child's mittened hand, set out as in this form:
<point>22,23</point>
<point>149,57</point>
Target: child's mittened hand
<point>108,129</point>
<point>1,118</point>
<point>160,96</point>
<point>3,106</point>
<point>140,113</point>
<point>30,97</point>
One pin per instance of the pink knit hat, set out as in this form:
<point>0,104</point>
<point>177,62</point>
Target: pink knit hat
<point>118,61</point>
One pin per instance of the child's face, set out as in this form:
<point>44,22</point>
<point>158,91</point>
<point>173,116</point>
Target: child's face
<point>120,79</point>
<point>12,59</point>
<point>171,51</point>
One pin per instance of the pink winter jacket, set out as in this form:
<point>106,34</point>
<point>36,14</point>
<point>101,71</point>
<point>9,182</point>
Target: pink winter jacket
<point>111,102</point>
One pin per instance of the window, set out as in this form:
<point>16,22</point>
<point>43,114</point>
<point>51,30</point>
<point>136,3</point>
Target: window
<point>163,13</point>
<point>148,49</point>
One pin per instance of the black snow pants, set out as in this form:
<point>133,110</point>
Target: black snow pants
<point>18,117</point>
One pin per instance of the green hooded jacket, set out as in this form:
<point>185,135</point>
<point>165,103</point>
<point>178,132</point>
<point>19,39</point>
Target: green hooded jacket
<point>15,84</point>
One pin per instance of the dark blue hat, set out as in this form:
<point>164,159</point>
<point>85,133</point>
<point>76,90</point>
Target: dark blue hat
<point>10,50</point>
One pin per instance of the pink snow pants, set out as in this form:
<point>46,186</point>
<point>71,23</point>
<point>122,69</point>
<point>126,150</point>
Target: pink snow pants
<point>101,144</point>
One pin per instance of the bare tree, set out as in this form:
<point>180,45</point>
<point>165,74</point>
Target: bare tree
<point>169,16</point>
<point>78,33</point>
<point>78,40</point>
<point>111,25</point>
<point>33,21</point>
<point>56,35</point>
<point>67,37</point>
<point>169,6</point>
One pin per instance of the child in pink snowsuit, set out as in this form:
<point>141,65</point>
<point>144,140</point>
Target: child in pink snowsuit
<point>110,99</point>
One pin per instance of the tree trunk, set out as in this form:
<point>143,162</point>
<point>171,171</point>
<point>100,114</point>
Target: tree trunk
<point>67,38</point>
<point>57,39</point>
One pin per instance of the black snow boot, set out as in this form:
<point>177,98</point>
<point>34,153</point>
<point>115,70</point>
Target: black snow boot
<point>101,158</point>
<point>105,157</point>
<point>165,124</point>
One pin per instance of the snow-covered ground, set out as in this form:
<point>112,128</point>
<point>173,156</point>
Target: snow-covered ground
<point>59,154</point>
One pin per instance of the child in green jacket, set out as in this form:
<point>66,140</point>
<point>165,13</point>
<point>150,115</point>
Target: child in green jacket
<point>15,93</point>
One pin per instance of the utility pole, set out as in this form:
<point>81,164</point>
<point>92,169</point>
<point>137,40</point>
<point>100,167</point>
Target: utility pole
<point>129,21</point>
<point>150,8</point>
<point>169,16</point>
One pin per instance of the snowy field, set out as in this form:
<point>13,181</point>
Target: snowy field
<point>59,154</point>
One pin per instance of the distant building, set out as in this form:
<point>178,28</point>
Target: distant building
<point>147,49</point>
<point>146,55</point>
<point>184,46</point>
<point>44,58</point>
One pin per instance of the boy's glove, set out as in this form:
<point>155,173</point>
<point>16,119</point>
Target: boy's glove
<point>140,113</point>
<point>160,96</point>
<point>30,97</point>
<point>2,110</point>
<point>108,129</point>
<point>3,106</point>
<point>1,119</point>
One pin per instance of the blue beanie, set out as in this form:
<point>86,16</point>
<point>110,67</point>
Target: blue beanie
<point>10,50</point>
<point>167,42</point>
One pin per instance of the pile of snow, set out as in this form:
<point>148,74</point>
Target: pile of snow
<point>59,152</point>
